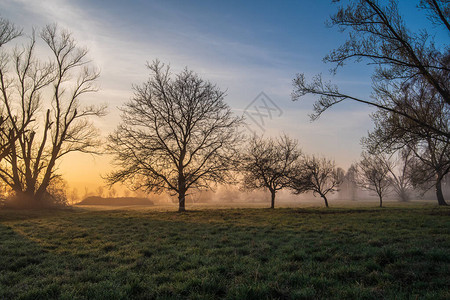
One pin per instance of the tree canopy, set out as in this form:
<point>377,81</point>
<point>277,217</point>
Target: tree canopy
<point>43,115</point>
<point>177,133</point>
<point>379,36</point>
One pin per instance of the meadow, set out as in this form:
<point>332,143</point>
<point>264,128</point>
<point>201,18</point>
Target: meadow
<point>253,253</point>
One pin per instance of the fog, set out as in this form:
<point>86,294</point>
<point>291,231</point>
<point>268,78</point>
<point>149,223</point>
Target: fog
<point>235,197</point>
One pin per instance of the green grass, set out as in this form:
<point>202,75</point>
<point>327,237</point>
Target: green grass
<point>309,253</point>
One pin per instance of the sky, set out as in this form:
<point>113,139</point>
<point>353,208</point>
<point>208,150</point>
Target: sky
<point>245,47</point>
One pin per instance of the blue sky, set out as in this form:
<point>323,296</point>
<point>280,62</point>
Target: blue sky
<point>245,47</point>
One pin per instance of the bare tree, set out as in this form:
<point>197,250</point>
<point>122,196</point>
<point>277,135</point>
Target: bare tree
<point>87,193</point>
<point>379,35</point>
<point>74,196</point>
<point>8,32</point>
<point>430,151</point>
<point>431,165</point>
<point>270,163</point>
<point>100,191</point>
<point>373,174</point>
<point>439,12</point>
<point>57,191</point>
<point>400,174</point>
<point>177,133</point>
<point>112,193</point>
<point>41,100</point>
<point>349,183</point>
<point>7,138</point>
<point>319,175</point>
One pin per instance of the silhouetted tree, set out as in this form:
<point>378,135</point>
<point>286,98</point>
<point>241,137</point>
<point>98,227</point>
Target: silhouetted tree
<point>7,138</point>
<point>439,11</point>
<point>430,150</point>
<point>112,193</point>
<point>379,35</point>
<point>8,32</point>
<point>349,182</point>
<point>373,174</point>
<point>431,165</point>
<point>41,100</point>
<point>400,174</point>
<point>177,133</point>
<point>100,191</point>
<point>319,175</point>
<point>270,163</point>
<point>57,191</point>
<point>74,196</point>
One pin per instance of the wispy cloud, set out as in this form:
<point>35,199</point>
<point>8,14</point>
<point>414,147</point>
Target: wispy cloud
<point>120,46</point>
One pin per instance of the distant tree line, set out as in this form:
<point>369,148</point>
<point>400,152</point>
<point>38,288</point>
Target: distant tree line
<point>411,90</point>
<point>178,134</point>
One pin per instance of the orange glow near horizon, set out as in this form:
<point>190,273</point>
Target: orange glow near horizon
<point>82,171</point>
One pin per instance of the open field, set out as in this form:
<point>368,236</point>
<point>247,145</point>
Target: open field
<point>313,203</point>
<point>298,253</point>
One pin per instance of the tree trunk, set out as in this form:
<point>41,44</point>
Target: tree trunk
<point>181,202</point>
<point>30,195</point>
<point>381,200</point>
<point>439,194</point>
<point>403,195</point>
<point>181,193</point>
<point>47,176</point>
<point>325,199</point>
<point>25,199</point>
<point>40,193</point>
<point>272,204</point>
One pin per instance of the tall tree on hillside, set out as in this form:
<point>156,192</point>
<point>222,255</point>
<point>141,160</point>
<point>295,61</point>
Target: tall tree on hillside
<point>270,163</point>
<point>379,35</point>
<point>318,175</point>
<point>177,133</point>
<point>43,110</point>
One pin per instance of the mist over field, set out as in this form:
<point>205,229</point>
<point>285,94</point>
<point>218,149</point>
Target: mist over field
<point>225,149</point>
<point>231,196</point>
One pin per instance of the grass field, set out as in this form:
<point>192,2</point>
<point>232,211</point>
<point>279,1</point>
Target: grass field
<point>289,253</point>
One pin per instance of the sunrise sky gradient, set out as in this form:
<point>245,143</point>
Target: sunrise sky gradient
<point>245,47</point>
